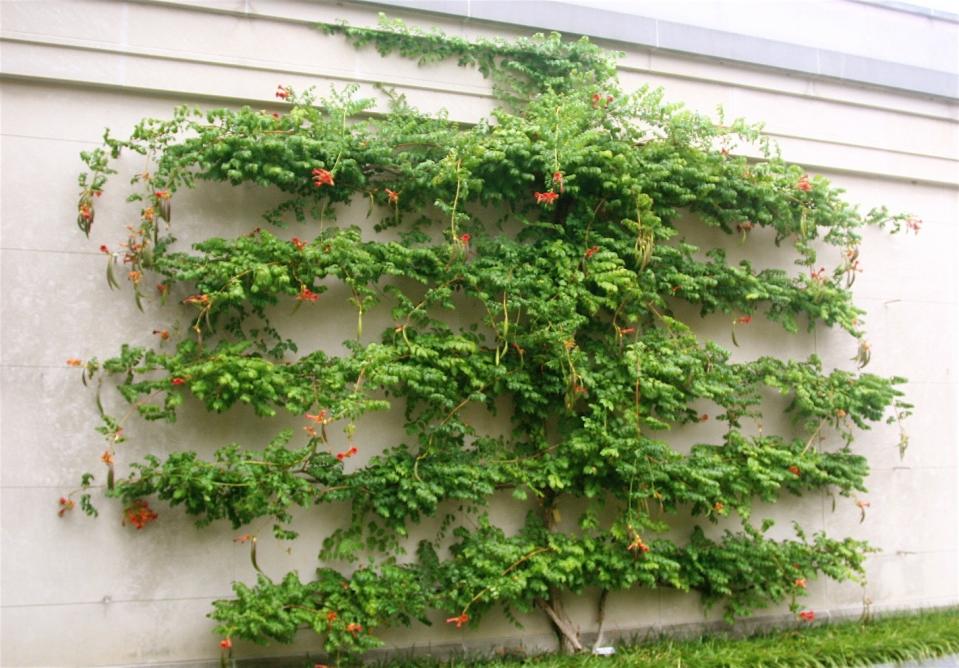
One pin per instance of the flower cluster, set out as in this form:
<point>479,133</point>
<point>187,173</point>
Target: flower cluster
<point>139,514</point>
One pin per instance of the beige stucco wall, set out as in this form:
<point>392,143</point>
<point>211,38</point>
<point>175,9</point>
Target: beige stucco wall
<point>90,592</point>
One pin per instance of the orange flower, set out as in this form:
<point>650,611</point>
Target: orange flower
<point>392,195</point>
<point>719,506</point>
<point>203,300</point>
<point>804,184</point>
<point>840,413</point>
<point>245,538</point>
<point>164,334</point>
<point>177,381</point>
<point>107,458</point>
<point>558,180</point>
<point>283,92</point>
<point>800,582</point>
<point>139,514</point>
<point>74,362</point>
<point>310,431</point>
<point>704,417</point>
<point>226,643</point>
<point>331,617</point>
<point>545,198</point>
<point>104,249</point>
<point>794,470</point>
<point>623,331</point>
<point>299,243</point>
<point>744,320</point>
<point>591,251</point>
<point>135,276</point>
<point>307,295</point>
<point>459,620</point>
<point>162,194</point>
<point>346,454</point>
<point>353,628</point>
<point>66,505</point>
<point>322,177</point>
<point>148,214</point>
<point>465,238</point>
<point>807,615</point>
<point>86,212</point>
<point>319,418</point>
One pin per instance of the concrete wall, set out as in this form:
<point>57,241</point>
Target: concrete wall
<point>79,592</point>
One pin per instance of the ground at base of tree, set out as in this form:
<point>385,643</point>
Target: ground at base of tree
<point>922,639</point>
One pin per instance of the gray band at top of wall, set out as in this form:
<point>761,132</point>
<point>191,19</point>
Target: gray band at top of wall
<point>697,41</point>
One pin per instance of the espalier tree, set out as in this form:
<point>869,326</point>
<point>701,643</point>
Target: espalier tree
<point>551,225</point>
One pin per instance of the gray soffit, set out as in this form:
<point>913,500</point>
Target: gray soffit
<point>697,41</point>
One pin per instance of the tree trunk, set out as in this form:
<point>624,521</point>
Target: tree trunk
<point>566,632</point>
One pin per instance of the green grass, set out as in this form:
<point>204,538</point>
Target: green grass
<point>887,639</point>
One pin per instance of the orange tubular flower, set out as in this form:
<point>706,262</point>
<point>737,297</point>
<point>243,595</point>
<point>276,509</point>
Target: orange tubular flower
<point>591,251</point>
<point>393,196</point>
<point>139,514</point>
<point>202,300</point>
<point>298,243</point>
<point>744,320</point>
<point>307,295</point>
<point>353,628</point>
<point>807,615</point>
<point>804,184</point>
<point>546,198</point>
<point>74,362</point>
<point>226,643</point>
<point>322,177</point>
<point>107,458</point>
<point>794,470</point>
<point>800,582</point>
<point>458,620</point>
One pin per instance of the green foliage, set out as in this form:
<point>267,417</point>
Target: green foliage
<point>551,230</point>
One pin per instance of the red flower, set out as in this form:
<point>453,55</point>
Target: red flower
<point>591,251</point>
<point>626,330</point>
<point>353,628</point>
<point>283,92</point>
<point>719,506</point>
<point>794,470</point>
<point>818,275</point>
<point>804,184</point>
<point>178,380</point>
<point>322,177</point>
<point>164,334</point>
<point>392,195</point>
<point>807,615</point>
<point>459,620</point>
<point>299,243</point>
<point>162,194</point>
<point>558,180</point>
<point>638,546</point>
<point>107,458</point>
<point>104,249</point>
<point>245,538</point>
<point>744,320</point>
<point>704,417</point>
<point>139,514</point>
<point>66,505</point>
<point>800,582</point>
<point>331,617</point>
<point>74,362</point>
<point>545,198</point>
<point>346,454</point>
<point>86,212</point>
<point>307,295</point>
<point>465,238</point>
<point>226,643</point>
<point>310,431</point>
<point>197,299</point>
<point>596,98</point>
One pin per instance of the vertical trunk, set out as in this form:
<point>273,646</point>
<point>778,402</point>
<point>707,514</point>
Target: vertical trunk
<point>566,632</point>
